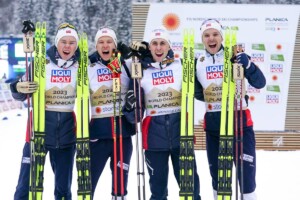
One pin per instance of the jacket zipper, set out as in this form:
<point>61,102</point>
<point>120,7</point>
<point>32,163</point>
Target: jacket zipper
<point>57,130</point>
<point>168,130</point>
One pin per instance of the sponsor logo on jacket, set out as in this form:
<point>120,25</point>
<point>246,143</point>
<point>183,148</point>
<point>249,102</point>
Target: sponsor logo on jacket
<point>61,76</point>
<point>214,72</point>
<point>163,77</point>
<point>104,74</point>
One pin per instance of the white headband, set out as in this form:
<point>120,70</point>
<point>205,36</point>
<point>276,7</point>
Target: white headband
<point>66,32</point>
<point>106,32</point>
<point>211,23</point>
<point>160,33</point>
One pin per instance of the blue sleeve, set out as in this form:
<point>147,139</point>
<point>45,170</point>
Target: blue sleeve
<point>198,87</point>
<point>130,115</point>
<point>15,94</point>
<point>255,76</point>
<point>198,90</point>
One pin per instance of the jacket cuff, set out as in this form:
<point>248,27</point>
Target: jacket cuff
<point>13,87</point>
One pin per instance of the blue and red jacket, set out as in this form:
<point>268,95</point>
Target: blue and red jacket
<point>102,121</point>
<point>60,127</point>
<point>161,132</point>
<point>208,82</point>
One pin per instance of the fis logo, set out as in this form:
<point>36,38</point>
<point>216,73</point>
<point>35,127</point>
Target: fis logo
<point>276,68</point>
<point>61,76</point>
<point>163,77</point>
<point>272,99</point>
<point>214,72</point>
<point>257,57</point>
<point>104,74</point>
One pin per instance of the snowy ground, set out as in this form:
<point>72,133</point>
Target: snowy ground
<point>278,176</point>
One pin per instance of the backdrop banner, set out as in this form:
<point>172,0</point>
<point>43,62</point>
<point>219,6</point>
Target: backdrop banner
<point>268,33</point>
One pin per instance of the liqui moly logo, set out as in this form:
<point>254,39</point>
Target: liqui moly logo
<point>61,76</point>
<point>272,99</point>
<point>214,72</point>
<point>104,74</point>
<point>276,68</point>
<point>163,77</point>
<point>257,57</point>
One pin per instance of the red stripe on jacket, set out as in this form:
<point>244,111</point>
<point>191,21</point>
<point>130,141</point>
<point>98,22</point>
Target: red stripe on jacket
<point>145,128</point>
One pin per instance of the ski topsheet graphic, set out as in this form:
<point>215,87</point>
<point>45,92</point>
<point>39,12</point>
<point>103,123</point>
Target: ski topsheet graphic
<point>187,118</point>
<point>82,133</point>
<point>37,135</point>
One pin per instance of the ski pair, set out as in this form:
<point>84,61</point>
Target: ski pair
<point>115,68</point>
<point>84,191</point>
<point>36,117</point>
<point>231,97</point>
<point>187,156</point>
<point>136,75</point>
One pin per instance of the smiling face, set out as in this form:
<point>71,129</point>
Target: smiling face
<point>105,46</point>
<point>212,40</point>
<point>159,49</point>
<point>66,47</point>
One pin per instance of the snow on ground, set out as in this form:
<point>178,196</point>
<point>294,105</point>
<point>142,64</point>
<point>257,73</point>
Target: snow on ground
<point>278,176</point>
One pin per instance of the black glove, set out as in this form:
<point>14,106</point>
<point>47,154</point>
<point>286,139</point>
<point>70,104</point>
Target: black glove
<point>130,100</point>
<point>28,26</point>
<point>140,49</point>
<point>124,50</point>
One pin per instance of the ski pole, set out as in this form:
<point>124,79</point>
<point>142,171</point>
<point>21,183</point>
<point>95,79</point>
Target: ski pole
<point>136,74</point>
<point>236,129</point>
<point>28,31</point>
<point>116,70</point>
<point>241,144</point>
<point>28,47</point>
<point>121,134</point>
<point>142,173</point>
<point>238,74</point>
